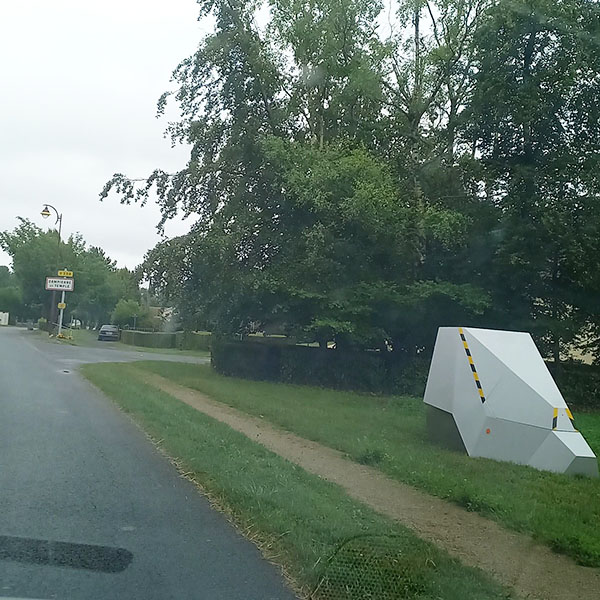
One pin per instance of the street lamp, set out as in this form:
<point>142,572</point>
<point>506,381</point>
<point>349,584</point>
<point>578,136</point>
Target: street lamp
<point>45,214</point>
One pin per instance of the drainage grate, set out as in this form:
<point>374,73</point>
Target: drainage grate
<point>374,568</point>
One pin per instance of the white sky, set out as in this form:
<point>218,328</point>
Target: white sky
<point>79,81</point>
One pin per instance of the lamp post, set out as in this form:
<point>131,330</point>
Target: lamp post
<point>45,214</point>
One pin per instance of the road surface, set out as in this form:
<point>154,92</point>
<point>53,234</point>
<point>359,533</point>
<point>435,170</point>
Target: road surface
<point>89,509</point>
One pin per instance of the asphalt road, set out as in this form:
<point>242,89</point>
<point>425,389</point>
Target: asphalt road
<point>89,509</point>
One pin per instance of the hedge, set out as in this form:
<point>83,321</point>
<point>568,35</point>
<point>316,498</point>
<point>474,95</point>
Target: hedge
<point>366,371</point>
<point>349,370</point>
<point>183,340</point>
<point>148,340</point>
<point>579,384</point>
<point>189,340</point>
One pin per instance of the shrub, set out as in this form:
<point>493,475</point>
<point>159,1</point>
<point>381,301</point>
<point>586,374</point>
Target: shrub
<point>579,384</point>
<point>128,312</point>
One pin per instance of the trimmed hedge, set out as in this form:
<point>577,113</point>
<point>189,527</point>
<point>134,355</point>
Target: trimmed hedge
<point>366,371</point>
<point>272,339</point>
<point>189,340</point>
<point>148,340</point>
<point>579,384</point>
<point>360,371</point>
<point>183,340</point>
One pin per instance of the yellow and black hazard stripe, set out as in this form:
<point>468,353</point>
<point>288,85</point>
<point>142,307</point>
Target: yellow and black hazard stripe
<point>471,364</point>
<point>555,418</point>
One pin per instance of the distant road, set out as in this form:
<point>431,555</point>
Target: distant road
<point>89,509</point>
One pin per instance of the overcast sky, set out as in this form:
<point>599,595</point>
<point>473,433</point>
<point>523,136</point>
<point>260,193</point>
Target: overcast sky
<point>79,81</point>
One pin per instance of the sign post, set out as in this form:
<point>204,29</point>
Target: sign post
<point>63,283</point>
<point>62,310</point>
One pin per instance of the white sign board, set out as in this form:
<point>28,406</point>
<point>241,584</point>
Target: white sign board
<point>3,318</point>
<point>60,284</point>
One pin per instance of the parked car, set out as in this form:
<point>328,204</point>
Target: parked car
<point>109,332</point>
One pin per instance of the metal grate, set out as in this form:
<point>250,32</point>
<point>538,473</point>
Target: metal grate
<point>374,568</point>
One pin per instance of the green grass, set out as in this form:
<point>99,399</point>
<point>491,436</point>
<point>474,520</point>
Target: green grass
<point>82,337</point>
<point>297,518</point>
<point>389,433</point>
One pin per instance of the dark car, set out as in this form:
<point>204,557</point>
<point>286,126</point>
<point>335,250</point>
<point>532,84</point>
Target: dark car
<point>109,332</point>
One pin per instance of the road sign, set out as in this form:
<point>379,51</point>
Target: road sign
<point>62,305</point>
<point>57,283</point>
<point>65,273</point>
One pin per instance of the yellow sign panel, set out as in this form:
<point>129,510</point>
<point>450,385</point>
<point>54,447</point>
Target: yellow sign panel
<point>65,273</point>
<point>62,305</point>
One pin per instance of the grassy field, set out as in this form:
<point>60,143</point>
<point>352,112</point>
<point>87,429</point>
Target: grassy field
<point>298,519</point>
<point>389,433</point>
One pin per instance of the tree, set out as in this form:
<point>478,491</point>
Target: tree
<point>6,277</point>
<point>343,246</point>
<point>366,190</point>
<point>536,132</point>
<point>11,301</point>
<point>129,313</point>
<point>37,254</point>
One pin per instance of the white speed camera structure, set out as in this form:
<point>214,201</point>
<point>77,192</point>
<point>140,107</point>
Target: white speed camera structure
<point>490,394</point>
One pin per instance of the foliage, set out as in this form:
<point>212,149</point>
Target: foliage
<point>536,131</point>
<point>374,372</point>
<point>580,385</point>
<point>6,277</point>
<point>129,313</point>
<point>362,189</point>
<point>36,254</point>
<point>189,340</point>
<point>10,300</point>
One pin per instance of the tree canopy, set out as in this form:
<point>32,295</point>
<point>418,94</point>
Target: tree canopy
<point>366,188</point>
<point>36,254</point>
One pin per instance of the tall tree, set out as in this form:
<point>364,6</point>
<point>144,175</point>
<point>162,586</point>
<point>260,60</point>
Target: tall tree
<point>36,254</point>
<point>537,138</point>
<point>362,189</point>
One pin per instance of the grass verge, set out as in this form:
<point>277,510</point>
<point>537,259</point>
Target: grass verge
<point>296,518</point>
<point>389,433</point>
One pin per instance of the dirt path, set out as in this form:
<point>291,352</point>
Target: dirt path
<point>532,569</point>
